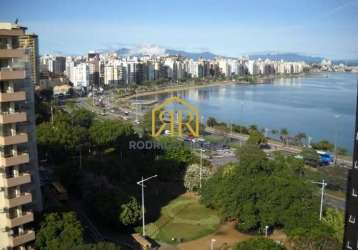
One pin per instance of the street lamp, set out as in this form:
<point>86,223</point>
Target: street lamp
<point>141,183</point>
<point>212,244</point>
<point>323,184</point>
<point>201,167</point>
<point>266,231</point>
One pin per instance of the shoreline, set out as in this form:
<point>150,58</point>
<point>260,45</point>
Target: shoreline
<point>259,80</point>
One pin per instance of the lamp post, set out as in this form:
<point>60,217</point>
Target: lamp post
<point>201,167</point>
<point>141,183</point>
<point>212,244</point>
<point>323,184</point>
<point>266,231</point>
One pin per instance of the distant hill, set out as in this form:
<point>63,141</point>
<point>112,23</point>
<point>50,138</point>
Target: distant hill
<point>171,52</point>
<point>293,57</point>
<point>289,56</point>
<point>123,51</point>
<point>346,62</point>
<point>193,55</point>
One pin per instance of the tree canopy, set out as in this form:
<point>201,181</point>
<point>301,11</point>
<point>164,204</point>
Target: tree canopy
<point>259,243</point>
<point>259,192</point>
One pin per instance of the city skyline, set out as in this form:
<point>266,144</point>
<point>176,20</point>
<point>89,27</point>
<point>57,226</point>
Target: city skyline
<point>228,28</point>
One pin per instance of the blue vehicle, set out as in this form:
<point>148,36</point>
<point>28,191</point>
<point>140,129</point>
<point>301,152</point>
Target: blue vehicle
<point>325,158</point>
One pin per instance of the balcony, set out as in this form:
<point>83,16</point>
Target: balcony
<point>14,160</point>
<point>12,74</point>
<point>12,53</point>
<point>15,117</point>
<point>18,240</point>
<point>13,97</point>
<point>24,198</point>
<point>22,179</point>
<point>20,220</point>
<point>13,139</point>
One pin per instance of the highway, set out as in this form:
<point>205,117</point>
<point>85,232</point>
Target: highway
<point>274,144</point>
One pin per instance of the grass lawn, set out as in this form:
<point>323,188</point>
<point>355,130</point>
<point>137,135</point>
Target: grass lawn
<point>183,218</point>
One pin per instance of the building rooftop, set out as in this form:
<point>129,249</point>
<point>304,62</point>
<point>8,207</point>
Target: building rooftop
<point>10,26</point>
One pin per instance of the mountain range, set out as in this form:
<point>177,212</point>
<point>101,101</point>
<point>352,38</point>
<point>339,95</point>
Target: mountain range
<point>153,50</point>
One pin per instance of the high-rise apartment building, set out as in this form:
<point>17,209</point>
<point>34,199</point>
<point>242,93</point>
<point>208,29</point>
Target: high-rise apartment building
<point>20,194</point>
<point>350,240</point>
<point>31,41</point>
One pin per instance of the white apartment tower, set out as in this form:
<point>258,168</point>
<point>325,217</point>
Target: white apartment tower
<point>20,193</point>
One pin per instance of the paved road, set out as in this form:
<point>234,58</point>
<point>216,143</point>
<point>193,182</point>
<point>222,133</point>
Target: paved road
<point>334,201</point>
<point>274,144</point>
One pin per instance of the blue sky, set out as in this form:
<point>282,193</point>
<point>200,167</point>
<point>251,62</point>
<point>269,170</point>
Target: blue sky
<point>228,27</point>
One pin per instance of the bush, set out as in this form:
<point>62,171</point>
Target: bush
<point>259,243</point>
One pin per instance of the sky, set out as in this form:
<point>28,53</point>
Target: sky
<point>327,28</point>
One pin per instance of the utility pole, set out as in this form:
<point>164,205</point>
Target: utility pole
<point>141,183</point>
<point>323,184</point>
<point>52,112</point>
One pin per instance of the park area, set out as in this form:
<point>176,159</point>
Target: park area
<point>183,219</point>
<point>185,224</point>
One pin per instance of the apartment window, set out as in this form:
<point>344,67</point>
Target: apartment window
<point>6,151</point>
<point>5,107</point>
<point>15,43</point>
<point>3,43</point>
<point>349,246</point>
<point>4,63</point>
<point>354,194</point>
<point>9,172</point>
<point>5,130</point>
<point>352,219</point>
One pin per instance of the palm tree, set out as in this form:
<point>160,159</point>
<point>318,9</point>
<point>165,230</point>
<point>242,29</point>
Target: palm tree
<point>301,136</point>
<point>284,135</point>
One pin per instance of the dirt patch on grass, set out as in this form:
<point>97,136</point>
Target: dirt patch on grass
<point>226,235</point>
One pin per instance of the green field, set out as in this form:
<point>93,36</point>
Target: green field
<point>183,219</point>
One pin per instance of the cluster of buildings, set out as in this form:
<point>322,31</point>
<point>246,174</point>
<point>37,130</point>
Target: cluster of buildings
<point>20,193</point>
<point>110,69</point>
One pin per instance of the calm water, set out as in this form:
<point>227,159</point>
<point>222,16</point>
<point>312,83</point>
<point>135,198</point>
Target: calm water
<point>321,105</point>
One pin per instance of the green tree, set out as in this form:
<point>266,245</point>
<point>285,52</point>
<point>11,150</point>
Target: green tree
<point>301,138</point>
<point>59,231</point>
<point>259,243</point>
<point>284,135</point>
<point>130,212</point>
<point>318,236</point>
<point>259,192</point>
<point>107,133</point>
<point>253,127</point>
<point>335,219</point>
<point>256,137</point>
<point>211,122</point>
<point>192,176</point>
<point>310,156</point>
<point>82,117</point>
<point>98,246</point>
<point>323,145</point>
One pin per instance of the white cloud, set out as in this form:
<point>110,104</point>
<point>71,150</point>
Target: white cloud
<point>148,49</point>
